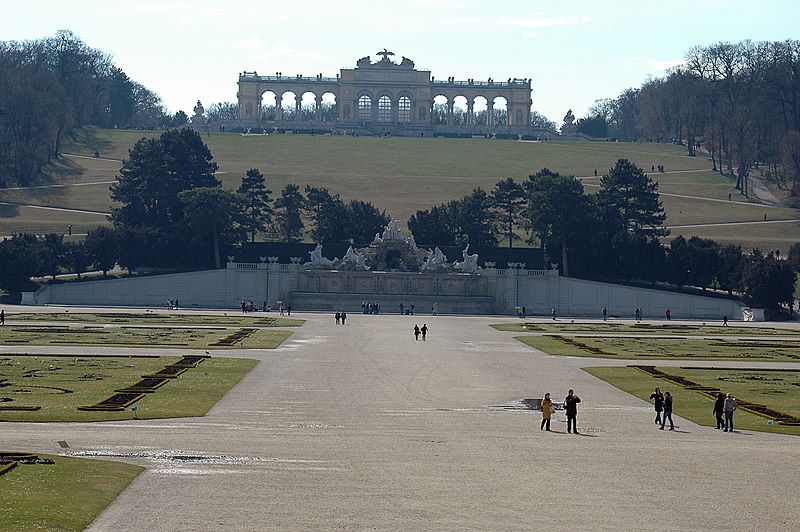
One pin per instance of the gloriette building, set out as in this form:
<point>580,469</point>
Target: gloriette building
<point>386,97</point>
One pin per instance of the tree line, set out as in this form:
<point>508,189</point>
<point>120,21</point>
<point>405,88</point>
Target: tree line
<point>739,101</point>
<point>172,212</point>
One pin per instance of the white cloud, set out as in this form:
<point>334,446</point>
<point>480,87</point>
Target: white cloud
<point>540,20</point>
<point>656,65</point>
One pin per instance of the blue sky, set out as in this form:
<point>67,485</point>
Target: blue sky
<point>575,51</point>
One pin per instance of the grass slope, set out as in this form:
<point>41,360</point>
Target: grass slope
<point>403,175</point>
<point>67,495</point>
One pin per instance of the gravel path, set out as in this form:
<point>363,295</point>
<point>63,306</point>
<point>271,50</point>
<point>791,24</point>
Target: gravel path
<point>361,427</point>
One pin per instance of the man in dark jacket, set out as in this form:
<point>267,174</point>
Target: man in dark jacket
<point>658,402</point>
<point>571,405</point>
<point>719,405</point>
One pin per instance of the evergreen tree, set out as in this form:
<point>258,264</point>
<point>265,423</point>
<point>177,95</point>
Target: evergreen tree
<point>768,282</point>
<point>328,215</point>
<point>508,203</point>
<point>476,221</point>
<point>289,220</point>
<point>214,216</point>
<point>363,221</point>
<point>629,201</point>
<point>257,200</point>
<point>156,171</point>
<point>102,247</point>
<point>437,226</point>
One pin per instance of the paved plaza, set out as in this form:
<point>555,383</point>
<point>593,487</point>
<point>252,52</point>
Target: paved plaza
<point>361,427</point>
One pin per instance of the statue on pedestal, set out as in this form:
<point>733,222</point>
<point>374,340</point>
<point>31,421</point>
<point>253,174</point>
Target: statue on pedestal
<point>198,117</point>
<point>435,260</point>
<point>569,127</point>
<point>318,261</point>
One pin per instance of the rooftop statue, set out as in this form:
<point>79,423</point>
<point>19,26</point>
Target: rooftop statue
<point>364,61</point>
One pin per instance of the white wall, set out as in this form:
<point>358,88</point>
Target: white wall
<point>538,291</point>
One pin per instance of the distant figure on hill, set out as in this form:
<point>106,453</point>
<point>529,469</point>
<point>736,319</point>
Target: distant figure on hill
<point>416,332</point>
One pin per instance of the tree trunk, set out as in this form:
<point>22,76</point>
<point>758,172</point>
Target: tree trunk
<point>217,262</point>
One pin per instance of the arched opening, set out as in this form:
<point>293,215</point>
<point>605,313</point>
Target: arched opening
<point>439,111</point>
<point>460,110</point>
<point>289,106</point>
<point>500,111</point>
<point>268,109</point>
<point>308,107</point>
<point>404,109</point>
<point>364,111</point>
<point>329,111</point>
<point>384,109</point>
<point>479,108</point>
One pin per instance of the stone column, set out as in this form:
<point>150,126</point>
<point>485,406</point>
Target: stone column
<point>318,109</point>
<point>450,105</point>
<point>489,114</point>
<point>470,113</point>
<point>278,107</point>
<point>298,105</point>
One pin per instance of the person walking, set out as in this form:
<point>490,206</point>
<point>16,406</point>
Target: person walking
<point>337,317</point>
<point>729,408</point>
<point>725,320</point>
<point>547,412</point>
<point>344,317</point>
<point>719,409</point>
<point>435,308</point>
<point>668,314</point>
<point>523,312</point>
<point>667,412</point>
<point>424,331</point>
<point>553,312</point>
<point>658,401</point>
<point>402,308</point>
<point>571,405</point>
<point>416,332</point>
<point>2,317</point>
<point>289,310</point>
<point>605,314</point>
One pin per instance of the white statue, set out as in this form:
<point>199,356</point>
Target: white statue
<point>435,260</point>
<point>392,233</point>
<point>469,264</point>
<point>355,259</point>
<point>412,243</point>
<point>317,260</point>
<point>377,240</point>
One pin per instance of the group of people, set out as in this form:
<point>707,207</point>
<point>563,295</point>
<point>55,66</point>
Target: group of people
<point>660,168</point>
<point>570,406</point>
<point>420,330</point>
<point>340,317</point>
<point>172,304</point>
<point>250,306</point>
<point>724,407</point>
<point>406,310</point>
<point>370,307</point>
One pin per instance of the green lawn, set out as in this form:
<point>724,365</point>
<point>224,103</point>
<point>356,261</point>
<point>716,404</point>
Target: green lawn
<point>67,495</point>
<point>133,318</point>
<point>431,171</point>
<point>643,328</point>
<point>777,390</point>
<point>627,348</point>
<point>60,384</point>
<point>188,337</point>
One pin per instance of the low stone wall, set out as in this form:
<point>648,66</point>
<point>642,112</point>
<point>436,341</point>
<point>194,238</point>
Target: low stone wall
<point>490,291</point>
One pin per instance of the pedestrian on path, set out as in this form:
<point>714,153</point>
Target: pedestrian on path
<point>337,317</point>
<point>434,308</point>
<point>547,412</point>
<point>416,332</point>
<point>729,407</point>
<point>719,409</point>
<point>725,320</point>
<point>668,314</point>
<point>2,317</point>
<point>658,400</point>
<point>667,412</point>
<point>424,331</point>
<point>571,405</point>
<point>402,308</point>
<point>605,314</point>
<point>344,316</point>
<point>553,312</point>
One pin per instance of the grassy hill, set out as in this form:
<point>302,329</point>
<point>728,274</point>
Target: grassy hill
<point>403,175</point>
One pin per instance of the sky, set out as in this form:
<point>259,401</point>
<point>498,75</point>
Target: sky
<point>575,51</point>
